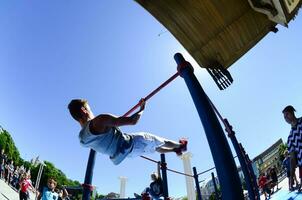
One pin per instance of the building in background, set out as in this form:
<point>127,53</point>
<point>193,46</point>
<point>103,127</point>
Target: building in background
<point>268,159</point>
<point>207,188</point>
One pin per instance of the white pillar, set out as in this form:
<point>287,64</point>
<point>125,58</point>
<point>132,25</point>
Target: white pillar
<point>123,186</point>
<point>42,164</point>
<point>186,158</point>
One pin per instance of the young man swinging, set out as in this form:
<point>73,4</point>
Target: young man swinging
<point>102,134</point>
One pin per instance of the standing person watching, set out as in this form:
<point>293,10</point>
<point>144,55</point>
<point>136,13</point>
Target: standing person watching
<point>10,171</point>
<point>286,166</point>
<point>294,142</point>
<point>3,158</point>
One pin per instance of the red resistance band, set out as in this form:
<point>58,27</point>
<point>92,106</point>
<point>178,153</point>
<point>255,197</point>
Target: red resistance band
<point>152,93</point>
<point>183,65</point>
<point>88,186</point>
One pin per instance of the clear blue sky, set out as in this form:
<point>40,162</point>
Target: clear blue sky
<point>109,52</point>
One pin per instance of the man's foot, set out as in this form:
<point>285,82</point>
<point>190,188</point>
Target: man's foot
<point>177,151</point>
<point>182,148</point>
<point>137,196</point>
<point>183,144</point>
<point>146,196</point>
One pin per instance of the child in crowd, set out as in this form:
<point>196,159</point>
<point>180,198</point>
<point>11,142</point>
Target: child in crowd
<point>49,193</point>
<point>263,184</point>
<point>25,187</point>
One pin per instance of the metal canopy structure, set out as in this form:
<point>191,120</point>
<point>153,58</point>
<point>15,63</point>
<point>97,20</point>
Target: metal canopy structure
<point>218,32</point>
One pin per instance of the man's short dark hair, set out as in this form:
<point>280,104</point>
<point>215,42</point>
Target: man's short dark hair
<point>289,108</point>
<point>75,107</point>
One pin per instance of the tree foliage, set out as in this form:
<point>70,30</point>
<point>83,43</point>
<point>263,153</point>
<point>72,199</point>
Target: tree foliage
<point>281,151</point>
<point>49,171</point>
<point>7,143</point>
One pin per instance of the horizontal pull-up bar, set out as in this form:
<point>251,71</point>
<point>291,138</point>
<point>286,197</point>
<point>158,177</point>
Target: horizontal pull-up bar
<point>210,169</point>
<point>153,93</point>
<point>171,170</point>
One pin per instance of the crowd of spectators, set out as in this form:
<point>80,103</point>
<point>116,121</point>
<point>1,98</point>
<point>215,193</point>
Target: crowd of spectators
<point>11,173</point>
<point>19,178</point>
<point>268,182</point>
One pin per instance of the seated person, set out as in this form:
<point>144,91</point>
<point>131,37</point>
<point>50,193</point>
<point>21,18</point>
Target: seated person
<point>155,190</point>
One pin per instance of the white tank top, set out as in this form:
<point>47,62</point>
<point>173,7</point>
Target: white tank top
<point>113,142</point>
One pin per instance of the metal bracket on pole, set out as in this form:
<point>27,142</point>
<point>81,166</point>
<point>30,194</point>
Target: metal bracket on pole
<point>221,76</point>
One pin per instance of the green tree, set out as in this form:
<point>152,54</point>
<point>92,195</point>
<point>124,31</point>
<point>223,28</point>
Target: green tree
<point>7,143</point>
<point>49,171</point>
<point>212,196</point>
<point>99,196</point>
<point>282,148</point>
<point>281,151</point>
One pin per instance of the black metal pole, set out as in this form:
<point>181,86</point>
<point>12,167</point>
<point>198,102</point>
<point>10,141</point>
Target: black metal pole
<point>164,175</point>
<point>215,185</point>
<point>199,197</point>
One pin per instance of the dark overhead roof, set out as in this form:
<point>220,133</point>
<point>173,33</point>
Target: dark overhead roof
<point>213,31</point>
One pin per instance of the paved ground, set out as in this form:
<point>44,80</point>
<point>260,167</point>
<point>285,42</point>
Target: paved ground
<point>283,193</point>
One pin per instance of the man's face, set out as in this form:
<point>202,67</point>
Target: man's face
<point>87,111</point>
<point>289,116</point>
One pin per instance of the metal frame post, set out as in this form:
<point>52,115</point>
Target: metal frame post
<point>251,172</point>
<point>88,176</point>
<point>199,197</point>
<point>215,185</point>
<point>225,165</point>
<point>242,161</point>
<point>164,175</point>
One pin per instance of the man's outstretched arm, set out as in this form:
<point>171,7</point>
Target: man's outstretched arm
<point>104,121</point>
